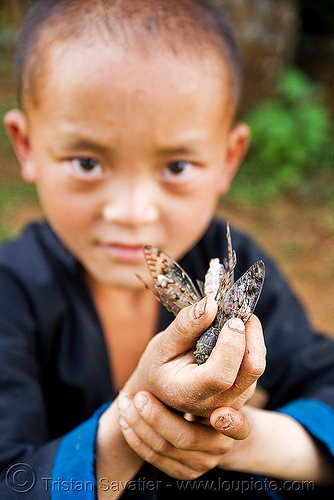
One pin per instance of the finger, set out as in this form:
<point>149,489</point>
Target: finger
<point>130,419</point>
<point>232,423</point>
<point>255,355</point>
<point>172,467</point>
<point>221,369</point>
<point>189,324</point>
<point>151,447</point>
<point>252,364</point>
<point>254,360</point>
<point>218,374</point>
<point>176,430</point>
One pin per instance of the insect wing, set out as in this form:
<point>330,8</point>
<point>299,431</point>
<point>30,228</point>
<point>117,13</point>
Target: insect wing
<point>225,285</point>
<point>232,256</point>
<point>173,285</point>
<point>241,299</point>
<point>200,285</point>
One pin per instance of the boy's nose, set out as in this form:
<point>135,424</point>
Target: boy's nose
<point>131,205</point>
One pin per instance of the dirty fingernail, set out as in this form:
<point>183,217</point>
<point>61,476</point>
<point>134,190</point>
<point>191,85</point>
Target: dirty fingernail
<point>224,422</point>
<point>236,325</point>
<point>140,401</point>
<point>199,308</point>
<point>123,403</point>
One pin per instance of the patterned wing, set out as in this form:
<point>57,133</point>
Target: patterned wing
<point>175,290</point>
<point>241,299</point>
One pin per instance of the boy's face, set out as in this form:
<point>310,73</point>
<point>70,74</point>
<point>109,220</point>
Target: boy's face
<point>128,150</point>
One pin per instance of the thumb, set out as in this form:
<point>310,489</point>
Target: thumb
<point>230,422</point>
<point>182,334</point>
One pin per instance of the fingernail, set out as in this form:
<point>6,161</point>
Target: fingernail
<point>224,422</point>
<point>123,403</point>
<point>236,324</point>
<point>140,400</point>
<point>122,423</point>
<point>199,308</point>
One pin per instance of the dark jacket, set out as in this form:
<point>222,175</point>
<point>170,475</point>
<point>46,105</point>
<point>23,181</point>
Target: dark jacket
<point>55,373</point>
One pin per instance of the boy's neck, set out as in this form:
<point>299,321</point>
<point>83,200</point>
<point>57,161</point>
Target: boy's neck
<point>118,295</point>
<point>129,320</point>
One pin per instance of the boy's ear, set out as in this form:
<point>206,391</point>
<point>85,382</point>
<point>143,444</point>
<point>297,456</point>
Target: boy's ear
<point>17,128</point>
<point>238,143</point>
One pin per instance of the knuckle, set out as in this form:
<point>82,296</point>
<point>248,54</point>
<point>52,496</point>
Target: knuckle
<point>258,369</point>
<point>136,441</point>
<point>255,367</point>
<point>191,474</point>
<point>220,383</point>
<point>208,463</point>
<point>160,446</point>
<point>185,441</point>
<point>226,382</point>
<point>151,456</point>
<point>226,447</point>
<point>203,463</point>
<point>181,322</point>
<point>254,364</point>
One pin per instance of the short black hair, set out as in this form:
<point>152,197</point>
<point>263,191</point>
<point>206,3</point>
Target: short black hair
<point>183,25</point>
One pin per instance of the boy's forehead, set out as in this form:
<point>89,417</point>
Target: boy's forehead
<point>111,86</point>
<point>100,53</point>
<point>76,62</point>
<point>135,28</point>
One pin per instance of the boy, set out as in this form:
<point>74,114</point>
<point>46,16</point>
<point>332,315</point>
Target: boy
<point>126,129</point>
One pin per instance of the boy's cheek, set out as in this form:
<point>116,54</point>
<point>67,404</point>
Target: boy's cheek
<point>187,226</point>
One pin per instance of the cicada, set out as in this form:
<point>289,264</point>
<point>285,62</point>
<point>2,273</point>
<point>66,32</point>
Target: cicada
<point>175,290</point>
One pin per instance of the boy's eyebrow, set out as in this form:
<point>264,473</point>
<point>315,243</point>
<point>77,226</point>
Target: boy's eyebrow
<point>186,146</point>
<point>182,145</point>
<point>81,142</point>
<point>178,150</point>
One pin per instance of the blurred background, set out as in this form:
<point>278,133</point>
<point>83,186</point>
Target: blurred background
<point>284,193</point>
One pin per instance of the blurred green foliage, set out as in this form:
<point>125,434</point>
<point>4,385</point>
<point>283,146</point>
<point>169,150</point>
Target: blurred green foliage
<point>11,196</point>
<point>292,146</point>
<point>8,33</point>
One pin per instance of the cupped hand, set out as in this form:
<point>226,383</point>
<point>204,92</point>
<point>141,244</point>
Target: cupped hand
<point>167,368</point>
<point>171,443</point>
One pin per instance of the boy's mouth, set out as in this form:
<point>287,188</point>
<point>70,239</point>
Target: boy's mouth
<point>124,252</point>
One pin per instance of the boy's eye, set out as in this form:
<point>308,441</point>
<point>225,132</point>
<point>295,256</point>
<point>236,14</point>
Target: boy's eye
<point>177,168</point>
<point>86,167</point>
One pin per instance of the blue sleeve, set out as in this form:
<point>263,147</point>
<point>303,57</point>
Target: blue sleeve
<point>318,419</point>
<point>74,467</point>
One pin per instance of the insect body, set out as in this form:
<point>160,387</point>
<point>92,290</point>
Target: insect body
<point>175,290</point>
